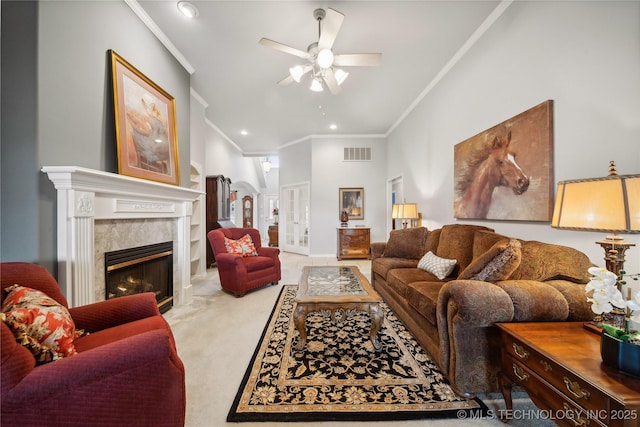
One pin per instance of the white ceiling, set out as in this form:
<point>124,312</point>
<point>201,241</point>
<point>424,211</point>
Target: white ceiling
<point>237,77</point>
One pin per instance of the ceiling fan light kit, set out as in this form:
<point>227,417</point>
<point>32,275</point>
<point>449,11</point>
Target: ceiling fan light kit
<point>320,56</point>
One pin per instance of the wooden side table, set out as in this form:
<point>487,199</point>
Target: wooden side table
<point>559,365</point>
<point>353,243</point>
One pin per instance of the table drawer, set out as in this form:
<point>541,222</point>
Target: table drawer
<point>557,406</point>
<point>565,381</point>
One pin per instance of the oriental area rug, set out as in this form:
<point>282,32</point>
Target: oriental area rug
<point>339,376</point>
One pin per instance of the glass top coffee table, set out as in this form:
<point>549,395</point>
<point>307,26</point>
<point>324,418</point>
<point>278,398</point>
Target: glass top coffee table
<point>336,289</point>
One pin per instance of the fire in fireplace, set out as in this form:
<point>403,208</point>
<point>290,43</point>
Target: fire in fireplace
<point>141,269</point>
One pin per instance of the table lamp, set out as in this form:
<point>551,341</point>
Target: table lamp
<point>610,204</point>
<point>405,211</point>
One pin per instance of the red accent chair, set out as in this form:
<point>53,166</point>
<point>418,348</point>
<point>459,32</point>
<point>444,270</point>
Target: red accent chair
<point>239,274</point>
<point>126,372</point>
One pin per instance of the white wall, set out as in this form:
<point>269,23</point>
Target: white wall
<point>583,55</point>
<point>329,173</point>
<point>223,158</point>
<point>320,161</point>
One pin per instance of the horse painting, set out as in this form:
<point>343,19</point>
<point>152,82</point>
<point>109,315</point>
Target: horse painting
<point>491,165</point>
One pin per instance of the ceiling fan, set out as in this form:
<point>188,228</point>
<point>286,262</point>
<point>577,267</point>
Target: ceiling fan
<point>321,61</point>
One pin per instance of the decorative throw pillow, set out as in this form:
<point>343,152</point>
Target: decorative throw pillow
<point>439,267</point>
<point>39,323</point>
<point>243,246</point>
<point>498,263</point>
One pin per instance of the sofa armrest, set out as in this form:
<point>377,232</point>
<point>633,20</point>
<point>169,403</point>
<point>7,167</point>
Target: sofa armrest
<point>114,312</point>
<point>268,251</point>
<point>466,312</point>
<point>377,249</point>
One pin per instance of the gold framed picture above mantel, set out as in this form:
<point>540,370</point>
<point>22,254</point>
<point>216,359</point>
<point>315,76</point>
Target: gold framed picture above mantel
<point>145,121</point>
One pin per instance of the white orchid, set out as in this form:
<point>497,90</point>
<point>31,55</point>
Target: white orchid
<point>605,294</point>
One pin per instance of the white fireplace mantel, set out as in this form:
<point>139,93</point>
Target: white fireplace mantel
<point>86,195</point>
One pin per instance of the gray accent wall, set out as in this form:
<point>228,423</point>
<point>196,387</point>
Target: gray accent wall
<point>57,107</point>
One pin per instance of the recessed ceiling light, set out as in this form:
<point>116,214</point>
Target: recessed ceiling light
<point>244,132</point>
<point>188,9</point>
<point>333,126</point>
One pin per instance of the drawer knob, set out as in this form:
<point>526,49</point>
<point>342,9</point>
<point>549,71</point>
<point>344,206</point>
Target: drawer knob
<point>576,418</point>
<point>520,351</point>
<point>520,373</point>
<point>575,389</point>
<point>546,365</point>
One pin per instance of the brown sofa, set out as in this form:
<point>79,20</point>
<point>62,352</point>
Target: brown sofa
<point>454,318</point>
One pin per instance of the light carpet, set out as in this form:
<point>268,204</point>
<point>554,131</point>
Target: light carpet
<point>340,376</point>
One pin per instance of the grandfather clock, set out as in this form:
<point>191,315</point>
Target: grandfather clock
<point>247,212</point>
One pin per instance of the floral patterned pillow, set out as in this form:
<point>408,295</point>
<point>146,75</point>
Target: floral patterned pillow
<point>243,246</point>
<point>39,323</point>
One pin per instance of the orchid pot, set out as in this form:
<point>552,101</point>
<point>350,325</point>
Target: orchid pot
<point>620,344</point>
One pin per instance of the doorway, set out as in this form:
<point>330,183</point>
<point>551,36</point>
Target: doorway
<point>294,224</point>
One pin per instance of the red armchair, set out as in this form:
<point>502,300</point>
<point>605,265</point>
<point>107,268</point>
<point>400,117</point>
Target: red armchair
<point>239,274</point>
<point>126,372</point>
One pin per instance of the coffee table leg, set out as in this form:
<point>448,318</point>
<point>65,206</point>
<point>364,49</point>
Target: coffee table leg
<point>377,317</point>
<point>299,319</point>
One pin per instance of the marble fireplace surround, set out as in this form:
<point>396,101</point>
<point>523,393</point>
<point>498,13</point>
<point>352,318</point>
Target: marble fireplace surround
<point>99,211</point>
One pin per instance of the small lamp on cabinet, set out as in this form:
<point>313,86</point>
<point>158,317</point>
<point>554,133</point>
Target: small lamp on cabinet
<point>405,211</point>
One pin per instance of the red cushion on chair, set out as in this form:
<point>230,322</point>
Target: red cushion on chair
<point>258,263</point>
<point>243,246</point>
<point>39,323</point>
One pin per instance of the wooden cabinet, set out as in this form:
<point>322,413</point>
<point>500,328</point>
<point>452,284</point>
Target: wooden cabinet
<point>247,212</point>
<point>353,243</point>
<point>273,235</point>
<point>218,189</point>
<point>560,367</point>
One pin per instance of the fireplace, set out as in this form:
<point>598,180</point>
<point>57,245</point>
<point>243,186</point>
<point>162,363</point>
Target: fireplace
<point>146,268</point>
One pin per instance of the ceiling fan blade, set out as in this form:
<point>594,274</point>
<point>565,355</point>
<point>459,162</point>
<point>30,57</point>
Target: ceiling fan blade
<point>330,27</point>
<point>331,82</point>
<point>286,81</point>
<point>358,60</point>
<point>283,48</point>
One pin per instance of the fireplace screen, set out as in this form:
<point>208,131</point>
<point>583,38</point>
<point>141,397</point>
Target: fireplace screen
<point>141,269</point>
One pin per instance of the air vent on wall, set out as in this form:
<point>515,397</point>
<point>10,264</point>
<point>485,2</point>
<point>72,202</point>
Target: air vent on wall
<point>357,154</point>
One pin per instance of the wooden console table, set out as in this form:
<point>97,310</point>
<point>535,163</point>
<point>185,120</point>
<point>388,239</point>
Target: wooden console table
<point>353,243</point>
<point>559,365</point>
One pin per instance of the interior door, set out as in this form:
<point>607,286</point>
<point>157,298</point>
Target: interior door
<point>294,224</point>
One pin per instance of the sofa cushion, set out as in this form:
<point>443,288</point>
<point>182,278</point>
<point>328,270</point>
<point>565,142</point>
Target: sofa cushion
<point>573,293</point>
<point>39,323</point>
<point>406,243</point>
<point>383,265</point>
<point>456,242</point>
<point>399,279</point>
<point>432,241</point>
<point>483,241</point>
<point>546,261</point>
<point>535,301</point>
<point>498,263</point>
<point>423,297</point>
<point>243,246</point>
<point>439,267</point>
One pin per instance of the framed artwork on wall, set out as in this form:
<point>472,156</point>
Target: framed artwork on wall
<point>506,172</point>
<point>145,122</point>
<point>351,200</point>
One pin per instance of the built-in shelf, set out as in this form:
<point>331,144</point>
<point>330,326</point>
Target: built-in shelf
<point>197,232</point>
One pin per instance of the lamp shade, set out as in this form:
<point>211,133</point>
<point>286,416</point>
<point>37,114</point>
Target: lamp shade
<point>405,211</point>
<point>610,204</point>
